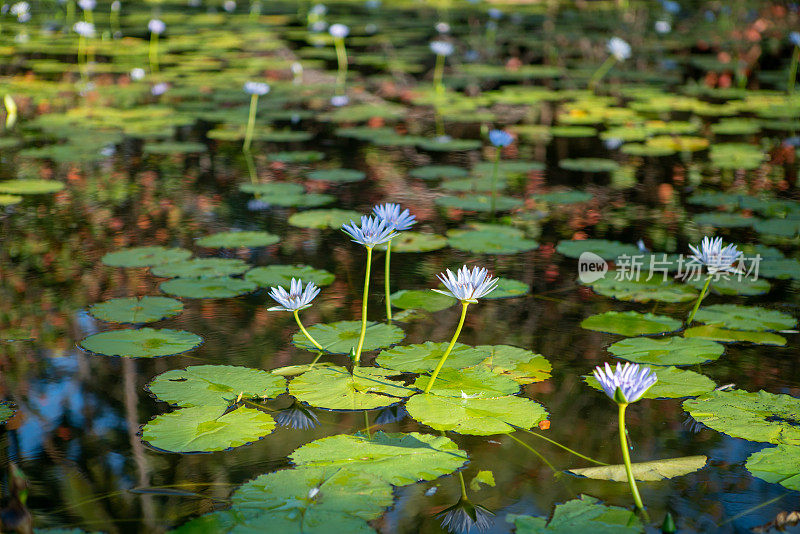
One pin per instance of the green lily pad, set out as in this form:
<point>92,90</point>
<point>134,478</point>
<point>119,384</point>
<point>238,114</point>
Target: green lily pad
<point>294,370</point>
<point>489,242</point>
<point>281,275</point>
<point>136,310</point>
<point>174,147</point>
<point>398,459</point>
<point>341,336</point>
<point>631,323</point>
<point>7,411</point>
<point>141,343</point>
<point>145,256</point>
<point>273,189</point>
<point>204,385</point>
<point>475,416</point>
<point>761,416</point>
<point>337,175</point>
<point>608,250</point>
<point>299,156</point>
<point>424,357</point>
<point>332,218</point>
<point>416,242</point>
<point>645,471</point>
<point>585,514</point>
<point>733,286</point>
<point>479,203</point>
<point>10,200</point>
<point>206,429</point>
<point>421,299</point>
<point>306,200</point>
<point>780,268</point>
<point>450,145</point>
<point>573,131</point>
<point>207,288</point>
<point>736,317</point>
<point>724,335</point>
<point>778,227</point>
<point>564,197</point>
<point>778,465</point>
<point>642,290</point>
<point>521,365</point>
<point>479,382</point>
<point>30,187</point>
<point>673,383</point>
<point>238,240</point>
<point>201,268</point>
<point>434,172</point>
<point>334,388</point>
<point>507,288</point>
<point>724,220</point>
<point>589,165</point>
<point>673,350</point>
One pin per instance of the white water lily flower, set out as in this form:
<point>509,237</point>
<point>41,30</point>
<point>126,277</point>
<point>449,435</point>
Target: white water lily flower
<point>715,257</point>
<point>619,48</point>
<point>441,48</point>
<point>296,298</point>
<point>467,286</point>
<point>339,31</point>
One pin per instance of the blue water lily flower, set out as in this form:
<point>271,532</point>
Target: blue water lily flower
<point>467,286</point>
<point>296,298</point>
<point>156,26</point>
<point>465,517</point>
<point>619,48</point>
<point>627,383</point>
<point>393,217</point>
<point>256,88</point>
<point>794,38</point>
<point>715,257</point>
<point>441,48</point>
<point>339,31</point>
<point>373,231</point>
<point>500,138</point>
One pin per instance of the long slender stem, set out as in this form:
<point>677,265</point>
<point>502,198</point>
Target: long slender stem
<point>366,424</point>
<point>699,300</point>
<point>626,457</point>
<point>82,57</point>
<point>251,122</point>
<point>463,486</point>
<point>534,451</point>
<point>305,333</point>
<point>387,281</point>
<point>364,308</point>
<point>153,52</point>
<point>602,71</point>
<point>311,365</point>
<point>464,305</point>
<point>438,73</point>
<point>495,168</point>
<point>793,69</point>
<point>557,444</point>
<point>341,57</point>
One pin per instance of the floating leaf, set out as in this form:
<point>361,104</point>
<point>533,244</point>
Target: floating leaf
<point>141,343</point>
<point>507,288</point>
<point>238,240</point>
<point>584,514</point>
<point>342,336</point>
<point>281,275</point>
<point>631,323</point>
<point>298,156</point>
<point>294,370</point>
<point>273,189</point>
<point>145,256</point>
<point>479,382</point>
<point>7,411</point>
<point>424,357</point>
<point>206,429</point>
<point>589,165</point>
<point>416,242</point>
<point>778,465</point>
<point>733,286</point>
<point>521,365</point>
<point>202,385</point>
<point>421,299</point>
<point>476,416</point>
<point>564,197</point>
<point>490,242</point>
<point>673,350</point>
<point>10,200</point>
<point>433,172</point>
<point>334,388</point>
<point>201,268</point>
<point>337,175</point>
<point>736,317</point>
<point>673,383</point>
<point>332,218</point>
<point>479,202</point>
<point>608,250</point>
<point>642,290</point>
<point>136,310</point>
<point>398,459</point>
<point>483,477</point>
<point>645,471</point>
<point>723,335</point>
<point>207,288</point>
<point>30,187</point>
<point>761,416</point>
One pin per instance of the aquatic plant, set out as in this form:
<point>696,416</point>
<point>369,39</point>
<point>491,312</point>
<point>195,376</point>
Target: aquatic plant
<point>619,51</point>
<point>716,259</point>
<point>463,517</point>
<point>156,27</point>
<point>441,49</point>
<point>295,300</point>
<point>254,89</point>
<point>398,221</point>
<point>794,39</point>
<point>373,231</point>
<point>500,139</point>
<point>85,31</point>
<point>339,32</point>
<point>625,385</point>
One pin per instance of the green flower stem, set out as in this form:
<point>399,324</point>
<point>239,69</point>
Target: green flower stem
<point>364,309</point>
<point>699,300</point>
<point>251,122</point>
<point>305,332</point>
<point>113,22</point>
<point>534,451</point>
<point>793,69</point>
<point>366,424</point>
<point>626,457</point>
<point>88,16</point>
<point>557,444</point>
<point>70,16</point>
<point>438,73</point>
<point>386,282</point>
<point>341,57</point>
<point>251,168</point>
<point>153,52</point>
<point>464,305</point>
<point>463,486</point>
<point>495,168</point>
<point>602,71</point>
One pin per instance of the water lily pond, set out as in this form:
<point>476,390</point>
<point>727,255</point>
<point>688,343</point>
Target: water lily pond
<point>399,267</point>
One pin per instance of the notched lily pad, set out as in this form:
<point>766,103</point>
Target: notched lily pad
<point>145,256</point>
<point>334,388</point>
<point>341,336</point>
<point>424,357</point>
<point>476,416</point>
<point>141,343</point>
<point>631,323</point>
<point>736,317</point>
<point>136,310</point>
<point>238,240</point>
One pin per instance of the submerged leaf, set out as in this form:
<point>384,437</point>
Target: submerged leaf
<point>645,471</point>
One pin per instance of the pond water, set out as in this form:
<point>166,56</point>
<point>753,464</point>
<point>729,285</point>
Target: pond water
<point>676,142</point>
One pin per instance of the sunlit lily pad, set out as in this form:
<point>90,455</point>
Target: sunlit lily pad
<point>760,416</point>
<point>10,200</point>
<point>433,172</point>
<point>281,275</point>
<point>334,388</point>
<point>642,290</point>
<point>737,317</point>
<point>421,299</point>
<point>673,350</point>
<point>589,164</point>
<point>608,250</point>
<point>398,459</point>
<point>141,343</point>
<point>564,197</point>
<point>203,385</point>
<point>145,256</point>
<point>201,268</point>
<point>778,465</point>
<point>631,323</point>
<point>238,240</point>
<point>206,429</point>
<point>521,365</point>
<point>207,288</point>
<point>30,187</point>
<point>508,288</point>
<point>273,189</point>
<point>342,336</point>
<point>476,416</point>
<point>733,286</point>
<point>332,218</point>
<point>416,242</point>
<point>673,383</point>
<point>490,242</point>
<point>299,156</point>
<point>337,175</point>
<point>725,335</point>
<point>136,310</point>
<point>424,357</point>
<point>645,471</point>
<point>479,202</point>
<point>584,514</point>
<point>478,382</point>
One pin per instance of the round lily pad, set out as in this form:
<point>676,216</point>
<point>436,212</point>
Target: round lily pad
<point>725,335</point>
<point>10,200</point>
<point>238,240</point>
<point>508,288</point>
<point>673,383</point>
<point>136,310</point>
<point>584,514</point>
<point>299,156</point>
<point>608,250</point>
<point>667,351</point>
<point>271,189</point>
<point>479,202</point>
<point>733,286</point>
<point>477,382</point>
<point>424,357</point>
<point>337,175</point>
<point>421,299</point>
<point>332,218</point>
<point>642,290</point>
<point>778,465</point>
<point>334,388</point>
<point>141,343</point>
<point>342,336</point>
<point>589,165</point>
<point>433,172</point>
<point>476,416</point>
<point>416,242</point>
<point>201,268</point>
<point>145,256</point>
<point>564,197</point>
<point>631,323</point>
<point>489,242</point>
<point>737,317</point>
<point>207,288</point>
<point>30,187</point>
<point>281,275</point>
<point>521,365</point>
